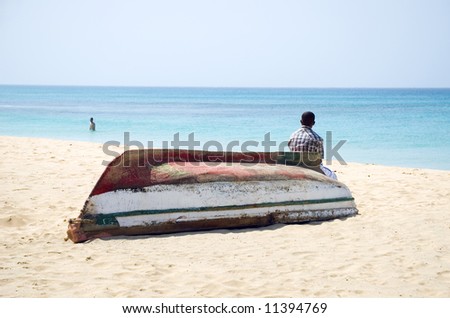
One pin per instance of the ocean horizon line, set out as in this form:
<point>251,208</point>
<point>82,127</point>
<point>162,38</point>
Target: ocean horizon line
<point>230,87</point>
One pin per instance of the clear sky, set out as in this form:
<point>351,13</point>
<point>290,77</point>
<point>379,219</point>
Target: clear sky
<point>231,43</point>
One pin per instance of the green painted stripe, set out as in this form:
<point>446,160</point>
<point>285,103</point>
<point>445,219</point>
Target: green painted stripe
<point>110,218</point>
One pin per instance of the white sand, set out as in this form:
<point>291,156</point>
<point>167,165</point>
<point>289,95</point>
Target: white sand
<point>398,246</point>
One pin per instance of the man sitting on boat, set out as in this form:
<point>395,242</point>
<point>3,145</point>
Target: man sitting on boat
<point>310,145</point>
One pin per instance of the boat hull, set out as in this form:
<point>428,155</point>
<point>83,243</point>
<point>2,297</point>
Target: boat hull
<point>177,196</point>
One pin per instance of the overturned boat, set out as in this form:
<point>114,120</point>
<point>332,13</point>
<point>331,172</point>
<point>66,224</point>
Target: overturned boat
<point>156,191</point>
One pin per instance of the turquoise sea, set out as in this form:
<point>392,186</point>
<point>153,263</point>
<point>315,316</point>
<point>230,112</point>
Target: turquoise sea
<point>400,127</point>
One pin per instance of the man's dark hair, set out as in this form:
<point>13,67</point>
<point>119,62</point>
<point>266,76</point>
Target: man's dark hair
<point>308,118</point>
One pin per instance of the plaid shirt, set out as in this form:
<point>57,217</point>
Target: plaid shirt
<point>306,140</point>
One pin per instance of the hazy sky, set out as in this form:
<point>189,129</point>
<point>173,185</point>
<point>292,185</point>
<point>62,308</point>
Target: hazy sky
<point>278,43</point>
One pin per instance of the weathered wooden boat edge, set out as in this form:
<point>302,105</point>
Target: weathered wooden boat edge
<point>78,234</point>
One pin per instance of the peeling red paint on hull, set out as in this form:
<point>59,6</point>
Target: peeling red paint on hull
<point>162,191</point>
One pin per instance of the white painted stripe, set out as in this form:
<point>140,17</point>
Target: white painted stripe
<point>149,219</point>
<point>213,194</point>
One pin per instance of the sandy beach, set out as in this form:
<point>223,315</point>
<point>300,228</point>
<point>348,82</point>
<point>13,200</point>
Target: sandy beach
<point>398,245</point>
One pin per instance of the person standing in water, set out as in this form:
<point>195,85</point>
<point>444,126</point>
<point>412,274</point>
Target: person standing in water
<point>92,125</point>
